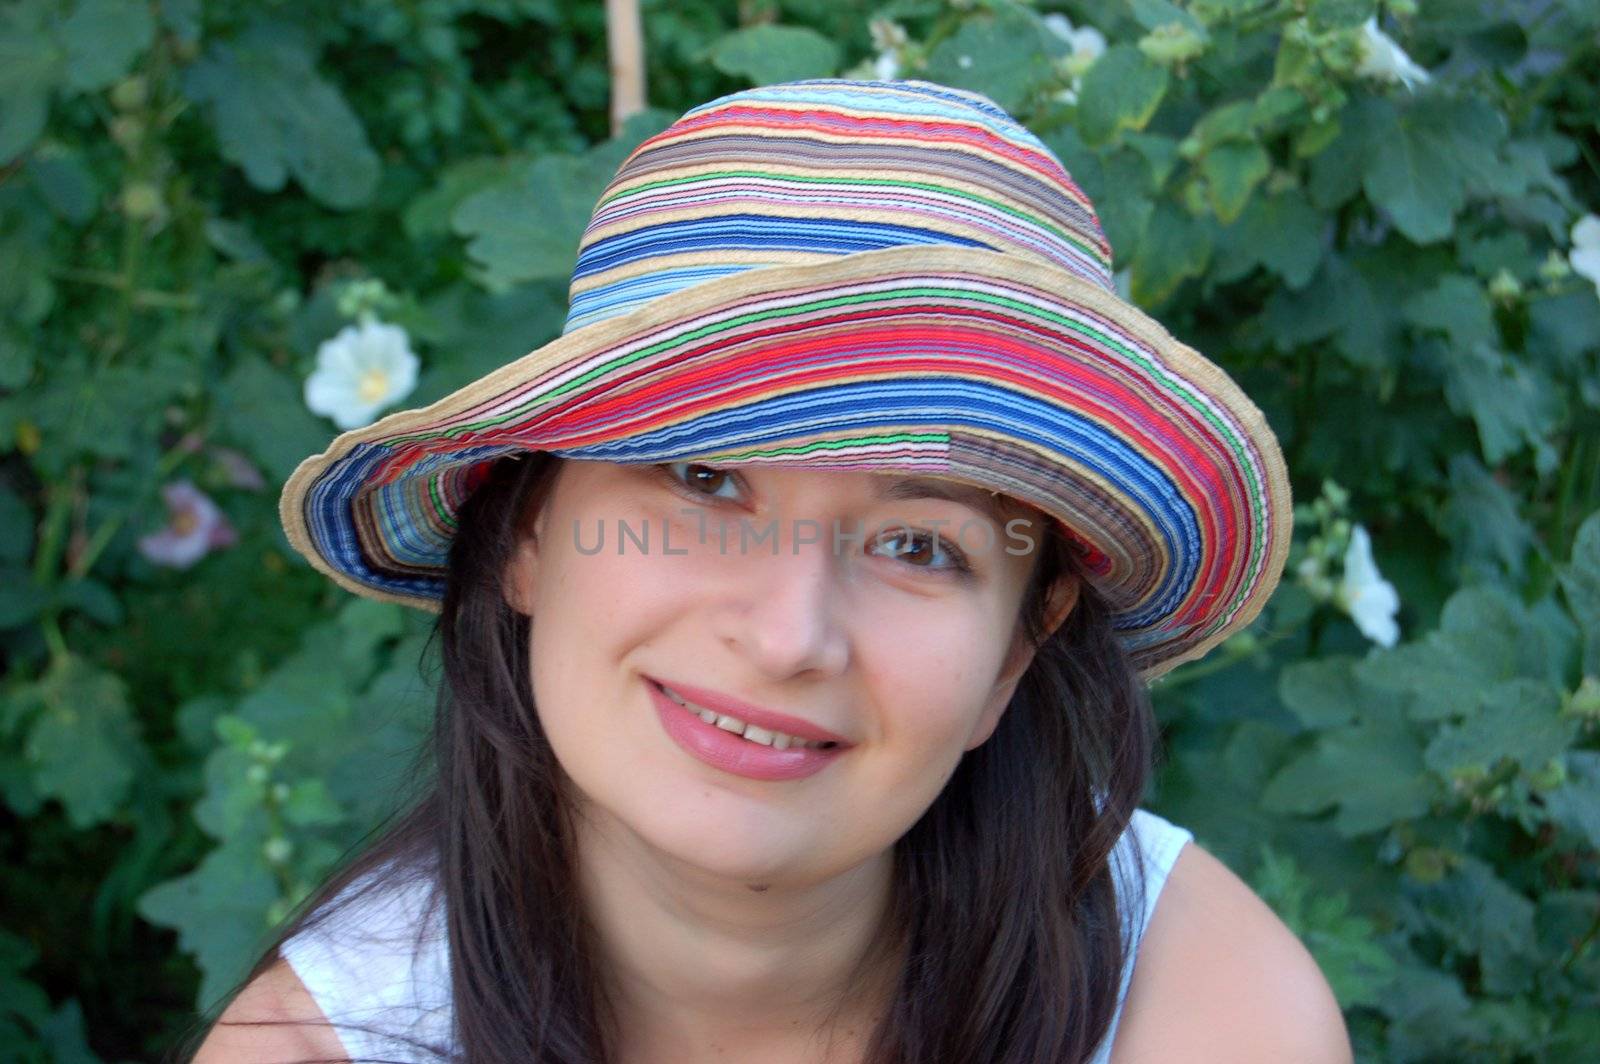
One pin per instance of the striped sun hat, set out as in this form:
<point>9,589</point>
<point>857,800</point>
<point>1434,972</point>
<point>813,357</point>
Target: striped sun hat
<point>868,275</point>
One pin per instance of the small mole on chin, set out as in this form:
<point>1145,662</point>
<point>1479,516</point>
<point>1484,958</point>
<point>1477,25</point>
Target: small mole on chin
<point>758,887</point>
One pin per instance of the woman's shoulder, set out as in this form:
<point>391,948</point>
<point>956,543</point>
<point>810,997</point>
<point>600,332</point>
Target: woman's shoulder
<point>273,1019</point>
<point>364,978</point>
<point>1219,977</point>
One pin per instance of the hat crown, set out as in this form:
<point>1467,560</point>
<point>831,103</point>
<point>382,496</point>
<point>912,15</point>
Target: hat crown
<point>804,171</point>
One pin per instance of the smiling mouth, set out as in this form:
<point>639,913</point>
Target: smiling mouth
<point>745,730</point>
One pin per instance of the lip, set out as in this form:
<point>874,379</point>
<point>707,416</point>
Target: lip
<point>727,751</point>
<point>769,719</point>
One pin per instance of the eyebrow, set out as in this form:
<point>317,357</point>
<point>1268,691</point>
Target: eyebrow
<point>905,488</point>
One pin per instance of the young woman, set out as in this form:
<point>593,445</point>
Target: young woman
<point>796,607</point>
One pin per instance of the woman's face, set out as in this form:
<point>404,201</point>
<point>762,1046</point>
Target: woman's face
<point>881,642</point>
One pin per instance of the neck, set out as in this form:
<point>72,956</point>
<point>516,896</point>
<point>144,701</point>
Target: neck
<point>697,964</point>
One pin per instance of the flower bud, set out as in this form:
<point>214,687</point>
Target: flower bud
<point>1428,864</point>
<point>1584,702</point>
<point>1504,287</point>
<point>1171,43</point>
<point>1554,267</point>
<point>1551,776</point>
<point>141,200</point>
<point>130,93</point>
<point>127,131</point>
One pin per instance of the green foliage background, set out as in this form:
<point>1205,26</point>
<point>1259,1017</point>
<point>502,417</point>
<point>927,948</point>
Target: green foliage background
<point>187,188</point>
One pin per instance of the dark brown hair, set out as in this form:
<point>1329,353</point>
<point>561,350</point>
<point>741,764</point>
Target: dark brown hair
<point>1004,913</point>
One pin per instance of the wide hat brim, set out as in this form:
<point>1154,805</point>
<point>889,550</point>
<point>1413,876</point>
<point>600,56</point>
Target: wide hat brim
<point>992,369</point>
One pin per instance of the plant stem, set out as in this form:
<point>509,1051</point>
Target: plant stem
<point>102,536</point>
<point>50,625</point>
<point>141,297</point>
<point>55,525</point>
<point>1577,950</point>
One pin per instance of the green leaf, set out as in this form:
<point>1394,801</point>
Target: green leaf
<point>768,53</point>
<point>1004,53</point>
<point>1326,15</point>
<point>219,911</point>
<point>1174,247</point>
<point>1232,171</point>
<point>31,64</point>
<point>1159,152</point>
<point>1372,771</point>
<point>66,1036</point>
<point>102,37</point>
<point>1230,122</point>
<point>1480,518</point>
<point>16,527</point>
<point>1153,13</point>
<point>65,183</point>
<point>1351,299</point>
<point>1518,719</point>
<point>527,227</point>
<point>1281,232</point>
<point>310,805</point>
<point>276,116</point>
<point>1477,913</point>
<point>84,743</point>
<point>1575,805</point>
<point>1421,162</point>
<point>1120,91</point>
<point>1565,328</point>
<point>1485,636</point>
<point>1410,179</point>
<point>429,214</point>
<point>1456,306</point>
<point>1356,967</point>
<point>1511,404</point>
<point>1322,692</point>
<point>264,412</point>
<point>1580,579</point>
<point>232,801</point>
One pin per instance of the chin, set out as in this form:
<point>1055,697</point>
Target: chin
<point>725,845</point>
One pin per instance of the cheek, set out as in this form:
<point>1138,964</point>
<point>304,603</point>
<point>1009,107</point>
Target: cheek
<point>932,667</point>
<point>597,613</point>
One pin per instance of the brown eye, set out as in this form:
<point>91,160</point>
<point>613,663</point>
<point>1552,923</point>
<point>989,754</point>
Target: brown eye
<point>922,546</point>
<point>699,479</point>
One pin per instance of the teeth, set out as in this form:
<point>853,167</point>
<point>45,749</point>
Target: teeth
<point>776,739</point>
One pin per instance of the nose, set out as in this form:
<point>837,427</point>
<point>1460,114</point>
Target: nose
<point>787,612</point>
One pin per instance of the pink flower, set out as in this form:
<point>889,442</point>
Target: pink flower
<point>195,527</point>
<point>237,468</point>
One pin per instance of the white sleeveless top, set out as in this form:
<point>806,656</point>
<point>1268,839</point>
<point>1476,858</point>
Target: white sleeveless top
<point>361,965</point>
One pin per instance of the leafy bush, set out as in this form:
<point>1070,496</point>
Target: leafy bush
<point>1377,240</point>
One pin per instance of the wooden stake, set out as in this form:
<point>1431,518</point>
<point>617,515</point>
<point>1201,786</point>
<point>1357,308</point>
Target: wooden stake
<point>625,52</point>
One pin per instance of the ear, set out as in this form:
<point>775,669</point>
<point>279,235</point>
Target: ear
<point>519,580</point>
<point>1062,598</point>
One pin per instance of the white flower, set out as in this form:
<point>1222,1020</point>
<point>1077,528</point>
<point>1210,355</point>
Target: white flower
<point>1086,41</point>
<point>1585,254</point>
<point>887,34</point>
<point>1363,593</point>
<point>887,66</point>
<point>1385,60</point>
<point>1088,44</point>
<point>360,371</point>
<point>195,528</point>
